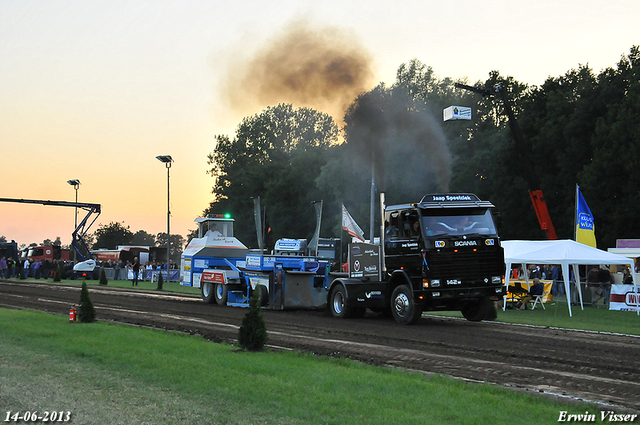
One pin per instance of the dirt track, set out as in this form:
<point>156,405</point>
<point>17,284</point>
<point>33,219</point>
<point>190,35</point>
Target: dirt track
<point>574,364</point>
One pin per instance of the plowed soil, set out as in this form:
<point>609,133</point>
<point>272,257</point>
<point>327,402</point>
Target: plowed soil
<point>573,365</point>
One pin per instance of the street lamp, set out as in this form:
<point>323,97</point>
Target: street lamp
<point>167,160</point>
<point>76,185</point>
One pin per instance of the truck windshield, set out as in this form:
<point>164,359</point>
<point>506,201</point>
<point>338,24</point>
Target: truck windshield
<point>464,222</point>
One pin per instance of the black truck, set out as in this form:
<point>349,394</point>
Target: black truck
<point>442,253</point>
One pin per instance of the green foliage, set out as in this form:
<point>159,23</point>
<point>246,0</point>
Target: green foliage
<point>103,277</point>
<point>177,242</point>
<point>252,335</point>
<point>578,128</point>
<point>160,281</point>
<point>277,155</point>
<point>86,311</point>
<point>143,238</point>
<point>109,236</point>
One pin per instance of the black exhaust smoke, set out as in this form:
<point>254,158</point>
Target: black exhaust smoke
<point>405,142</point>
<point>324,68</point>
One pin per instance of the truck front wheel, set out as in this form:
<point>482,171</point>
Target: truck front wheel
<point>403,308</point>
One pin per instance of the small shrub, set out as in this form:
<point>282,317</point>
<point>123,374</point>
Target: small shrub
<point>86,311</point>
<point>253,332</point>
<point>160,282</point>
<point>103,277</point>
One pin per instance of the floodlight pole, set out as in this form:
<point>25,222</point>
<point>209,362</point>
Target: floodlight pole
<point>76,185</point>
<point>167,160</point>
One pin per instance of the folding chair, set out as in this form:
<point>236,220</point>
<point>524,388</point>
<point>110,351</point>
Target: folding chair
<point>539,299</point>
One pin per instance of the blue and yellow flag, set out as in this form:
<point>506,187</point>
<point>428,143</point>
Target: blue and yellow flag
<point>585,225</point>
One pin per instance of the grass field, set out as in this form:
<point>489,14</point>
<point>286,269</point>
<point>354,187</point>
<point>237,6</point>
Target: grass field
<point>115,374</point>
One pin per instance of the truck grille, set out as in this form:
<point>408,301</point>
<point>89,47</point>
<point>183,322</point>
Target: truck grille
<point>466,264</point>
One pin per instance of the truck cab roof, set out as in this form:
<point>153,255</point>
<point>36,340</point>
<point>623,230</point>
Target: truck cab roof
<point>445,200</point>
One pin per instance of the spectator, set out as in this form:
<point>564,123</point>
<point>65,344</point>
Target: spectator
<point>558,285</point>
<point>535,272</point>
<point>606,279</point>
<point>3,268</point>
<point>37,269</point>
<point>627,279</point>
<point>117,267</point>
<point>593,283</point>
<point>10,267</point>
<point>26,266</point>
<point>536,289</point>
<point>136,269</point>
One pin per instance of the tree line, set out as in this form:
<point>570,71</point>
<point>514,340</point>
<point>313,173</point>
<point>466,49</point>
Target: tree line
<point>110,236</point>
<point>578,128</point>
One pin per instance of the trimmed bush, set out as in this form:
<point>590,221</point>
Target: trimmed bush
<point>253,332</point>
<point>103,277</point>
<point>86,311</point>
<point>160,281</point>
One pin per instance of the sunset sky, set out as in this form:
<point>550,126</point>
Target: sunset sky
<point>96,90</point>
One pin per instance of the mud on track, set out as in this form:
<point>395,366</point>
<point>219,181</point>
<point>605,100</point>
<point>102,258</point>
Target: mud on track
<point>557,363</point>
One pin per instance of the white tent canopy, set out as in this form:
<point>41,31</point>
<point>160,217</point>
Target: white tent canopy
<point>563,252</point>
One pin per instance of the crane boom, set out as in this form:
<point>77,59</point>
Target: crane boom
<point>81,230</point>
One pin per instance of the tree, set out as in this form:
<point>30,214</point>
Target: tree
<point>610,180</point>
<point>580,127</point>
<point>276,155</point>
<point>191,235</point>
<point>143,238</point>
<point>111,235</point>
<point>177,242</point>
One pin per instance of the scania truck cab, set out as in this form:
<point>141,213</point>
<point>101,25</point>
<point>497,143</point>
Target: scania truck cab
<point>443,253</point>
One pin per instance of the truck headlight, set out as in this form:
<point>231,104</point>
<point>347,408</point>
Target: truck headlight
<point>496,279</point>
<point>435,283</point>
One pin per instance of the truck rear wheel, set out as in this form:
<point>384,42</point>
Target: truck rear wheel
<point>264,295</point>
<point>338,302</point>
<point>403,307</point>
<point>207,290</point>
<point>220,293</point>
<point>476,311</point>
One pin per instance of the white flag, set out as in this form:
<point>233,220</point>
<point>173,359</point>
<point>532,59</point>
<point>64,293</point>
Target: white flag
<point>350,225</point>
